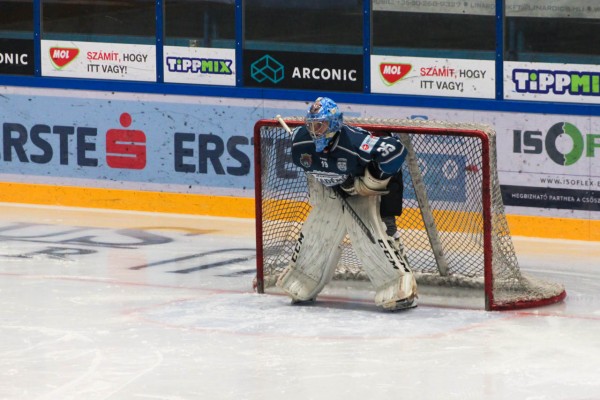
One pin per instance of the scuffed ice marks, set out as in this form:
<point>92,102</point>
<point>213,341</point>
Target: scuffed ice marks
<point>274,316</point>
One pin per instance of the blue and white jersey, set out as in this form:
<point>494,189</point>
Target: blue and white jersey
<point>348,154</point>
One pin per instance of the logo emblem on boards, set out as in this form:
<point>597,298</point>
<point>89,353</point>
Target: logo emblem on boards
<point>393,72</point>
<point>267,68</point>
<point>61,56</point>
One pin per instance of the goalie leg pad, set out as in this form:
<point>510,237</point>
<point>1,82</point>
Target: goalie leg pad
<point>303,282</point>
<point>386,266</point>
<point>317,250</point>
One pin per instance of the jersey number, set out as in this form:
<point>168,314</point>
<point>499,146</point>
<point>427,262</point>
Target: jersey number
<point>385,148</point>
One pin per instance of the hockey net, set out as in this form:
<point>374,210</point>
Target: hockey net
<point>453,223</point>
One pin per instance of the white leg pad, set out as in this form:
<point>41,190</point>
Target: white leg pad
<point>386,266</point>
<point>317,250</point>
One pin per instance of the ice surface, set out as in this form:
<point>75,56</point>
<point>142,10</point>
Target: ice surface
<point>115,305</point>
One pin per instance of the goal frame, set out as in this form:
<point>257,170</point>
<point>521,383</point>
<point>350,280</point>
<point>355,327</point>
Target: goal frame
<point>379,129</point>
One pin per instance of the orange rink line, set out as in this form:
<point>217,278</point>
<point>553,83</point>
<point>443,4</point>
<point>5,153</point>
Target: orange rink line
<point>237,207</point>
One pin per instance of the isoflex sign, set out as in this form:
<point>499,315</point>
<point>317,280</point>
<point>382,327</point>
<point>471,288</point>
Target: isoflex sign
<point>536,142</point>
<point>551,197</point>
<point>565,145</point>
<point>289,70</point>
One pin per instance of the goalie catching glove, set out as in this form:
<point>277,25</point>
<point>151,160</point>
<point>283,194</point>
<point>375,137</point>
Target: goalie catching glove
<point>366,185</point>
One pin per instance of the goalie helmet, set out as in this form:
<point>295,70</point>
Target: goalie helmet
<point>323,120</point>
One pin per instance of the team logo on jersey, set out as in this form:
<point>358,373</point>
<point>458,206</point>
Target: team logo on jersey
<point>368,143</point>
<point>306,160</point>
<point>342,164</point>
<point>329,178</point>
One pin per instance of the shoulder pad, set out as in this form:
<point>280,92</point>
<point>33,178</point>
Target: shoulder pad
<point>356,129</point>
<point>299,133</point>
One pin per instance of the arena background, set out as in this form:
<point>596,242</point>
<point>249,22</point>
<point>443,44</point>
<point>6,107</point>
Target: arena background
<point>187,80</point>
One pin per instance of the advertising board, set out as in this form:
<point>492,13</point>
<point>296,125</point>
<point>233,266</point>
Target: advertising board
<point>94,60</point>
<point>292,70</point>
<point>16,56</point>
<point>574,83</point>
<point>549,165</point>
<point>199,65</point>
<point>433,76</point>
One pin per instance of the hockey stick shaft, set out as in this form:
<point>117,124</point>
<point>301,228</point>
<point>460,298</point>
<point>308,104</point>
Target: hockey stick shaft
<point>353,213</point>
<point>337,191</point>
<point>283,124</point>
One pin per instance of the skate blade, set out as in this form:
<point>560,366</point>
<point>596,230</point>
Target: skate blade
<point>303,302</point>
<point>402,305</point>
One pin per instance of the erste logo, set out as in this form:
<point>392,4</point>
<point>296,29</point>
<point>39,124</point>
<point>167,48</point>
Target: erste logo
<point>125,148</point>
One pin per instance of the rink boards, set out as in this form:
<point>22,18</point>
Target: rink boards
<point>195,155</point>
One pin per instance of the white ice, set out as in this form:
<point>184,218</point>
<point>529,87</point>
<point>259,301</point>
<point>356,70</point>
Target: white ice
<point>115,305</point>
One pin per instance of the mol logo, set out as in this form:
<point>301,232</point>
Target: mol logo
<point>267,68</point>
<point>392,73</point>
<point>564,143</point>
<point>62,56</point>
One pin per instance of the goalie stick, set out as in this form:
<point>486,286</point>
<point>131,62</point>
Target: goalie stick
<point>340,195</point>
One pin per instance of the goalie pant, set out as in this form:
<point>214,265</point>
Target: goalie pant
<point>318,250</point>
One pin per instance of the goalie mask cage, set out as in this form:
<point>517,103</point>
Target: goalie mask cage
<point>453,224</point>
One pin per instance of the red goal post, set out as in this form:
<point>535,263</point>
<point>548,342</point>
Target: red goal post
<point>453,226</point>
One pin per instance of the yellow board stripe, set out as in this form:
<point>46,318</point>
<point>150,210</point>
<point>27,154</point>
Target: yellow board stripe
<point>554,228</point>
<point>238,207</point>
<point>70,196</point>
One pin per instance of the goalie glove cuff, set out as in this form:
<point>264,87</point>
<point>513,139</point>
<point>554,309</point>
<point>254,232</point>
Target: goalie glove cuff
<point>368,185</point>
<point>348,187</point>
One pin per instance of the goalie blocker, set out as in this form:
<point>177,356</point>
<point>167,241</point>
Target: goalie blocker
<point>318,250</point>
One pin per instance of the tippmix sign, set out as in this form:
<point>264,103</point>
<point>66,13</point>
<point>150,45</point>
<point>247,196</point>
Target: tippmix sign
<point>198,65</point>
<point>552,82</point>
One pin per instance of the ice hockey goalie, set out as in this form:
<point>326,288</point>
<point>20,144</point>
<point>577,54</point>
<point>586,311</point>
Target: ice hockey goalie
<point>349,171</point>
